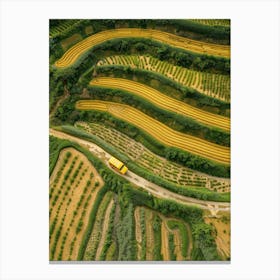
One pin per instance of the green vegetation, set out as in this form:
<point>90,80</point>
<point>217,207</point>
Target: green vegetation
<point>166,86</point>
<point>171,247</point>
<point>143,234</point>
<point>213,22</point>
<point>93,243</point>
<point>183,232</point>
<point>204,242</point>
<point>200,193</point>
<point>55,146</point>
<point>100,210</point>
<point>62,29</point>
<point>125,236</point>
<point>181,157</point>
<point>157,238</point>
<point>214,85</point>
<point>143,157</point>
<point>175,121</point>
<point>130,197</point>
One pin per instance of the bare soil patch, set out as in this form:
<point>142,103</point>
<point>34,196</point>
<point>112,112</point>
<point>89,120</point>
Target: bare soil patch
<point>75,38</point>
<point>164,242</point>
<point>149,235</point>
<point>222,226</point>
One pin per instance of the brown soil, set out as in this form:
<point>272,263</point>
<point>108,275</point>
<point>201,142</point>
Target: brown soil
<point>75,194</point>
<point>164,242</point>
<point>149,235</point>
<point>89,30</point>
<point>75,38</point>
<point>223,233</point>
<point>178,245</point>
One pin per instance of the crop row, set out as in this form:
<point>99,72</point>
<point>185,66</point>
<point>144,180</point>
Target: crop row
<point>97,232</point>
<point>214,85</point>
<point>213,22</point>
<point>63,27</point>
<point>159,237</point>
<point>163,101</point>
<point>160,131</point>
<point>72,190</point>
<point>160,166</point>
<point>80,48</point>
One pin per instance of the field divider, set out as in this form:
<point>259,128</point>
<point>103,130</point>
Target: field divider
<point>160,131</point>
<point>163,101</point>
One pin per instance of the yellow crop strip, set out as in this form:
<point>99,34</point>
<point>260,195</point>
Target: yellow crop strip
<point>80,48</point>
<point>160,131</point>
<point>164,101</point>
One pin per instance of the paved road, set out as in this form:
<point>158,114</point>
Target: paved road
<point>153,189</point>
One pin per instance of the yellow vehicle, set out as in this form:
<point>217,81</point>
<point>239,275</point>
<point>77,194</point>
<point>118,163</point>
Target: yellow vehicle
<point>118,165</point>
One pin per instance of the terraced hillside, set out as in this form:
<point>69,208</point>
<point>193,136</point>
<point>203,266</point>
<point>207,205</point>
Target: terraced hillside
<point>63,26</point>
<point>158,130</point>
<point>76,51</point>
<point>214,85</point>
<point>163,101</point>
<point>141,155</point>
<point>155,94</point>
<point>213,22</point>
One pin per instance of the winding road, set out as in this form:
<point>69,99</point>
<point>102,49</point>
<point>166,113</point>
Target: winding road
<point>153,189</point>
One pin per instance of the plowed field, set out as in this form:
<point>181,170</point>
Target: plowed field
<point>164,101</point>
<point>159,131</point>
<point>180,42</point>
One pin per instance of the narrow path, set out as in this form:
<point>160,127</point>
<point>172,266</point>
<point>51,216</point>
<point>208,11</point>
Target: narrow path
<point>61,99</point>
<point>190,241</point>
<point>104,229</point>
<point>164,242</point>
<point>153,189</point>
<point>138,234</point>
<point>149,235</point>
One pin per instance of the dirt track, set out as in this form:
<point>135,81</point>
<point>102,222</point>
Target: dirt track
<point>153,189</point>
<point>104,230</point>
<point>80,48</point>
<point>138,233</point>
<point>159,131</point>
<point>164,101</point>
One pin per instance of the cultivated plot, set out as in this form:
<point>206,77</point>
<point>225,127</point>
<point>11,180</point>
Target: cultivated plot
<point>139,146</point>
